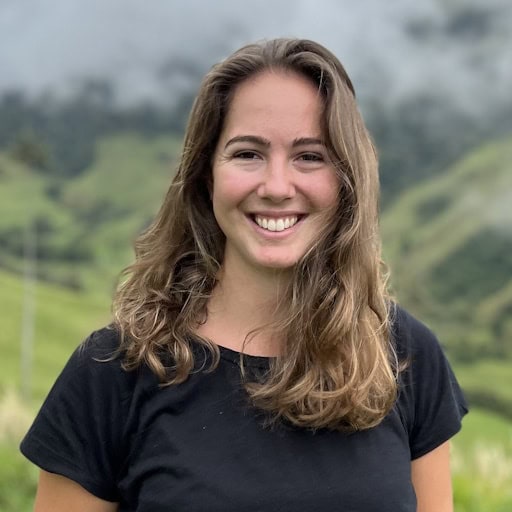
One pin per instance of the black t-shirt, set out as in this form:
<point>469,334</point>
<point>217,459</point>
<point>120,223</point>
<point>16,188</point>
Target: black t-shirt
<point>199,446</point>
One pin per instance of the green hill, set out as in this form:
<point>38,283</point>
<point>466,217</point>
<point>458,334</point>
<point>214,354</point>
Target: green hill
<point>448,240</point>
<point>83,227</point>
<point>118,196</point>
<point>63,318</point>
<point>449,244</point>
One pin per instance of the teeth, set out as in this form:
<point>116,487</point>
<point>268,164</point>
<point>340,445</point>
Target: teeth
<point>276,224</point>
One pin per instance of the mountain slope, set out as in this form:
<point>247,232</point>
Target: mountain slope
<point>82,228</point>
<point>448,240</point>
<point>449,245</point>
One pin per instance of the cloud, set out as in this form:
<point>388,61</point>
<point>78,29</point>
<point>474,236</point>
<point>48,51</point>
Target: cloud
<point>390,48</point>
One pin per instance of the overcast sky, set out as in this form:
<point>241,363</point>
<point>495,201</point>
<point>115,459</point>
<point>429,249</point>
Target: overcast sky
<point>51,44</point>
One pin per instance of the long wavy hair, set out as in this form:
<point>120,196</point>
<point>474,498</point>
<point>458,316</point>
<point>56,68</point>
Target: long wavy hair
<point>338,369</point>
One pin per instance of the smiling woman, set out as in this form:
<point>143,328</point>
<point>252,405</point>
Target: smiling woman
<point>255,361</point>
<point>274,185</point>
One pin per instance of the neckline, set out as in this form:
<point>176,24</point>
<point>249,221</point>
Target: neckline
<point>248,360</point>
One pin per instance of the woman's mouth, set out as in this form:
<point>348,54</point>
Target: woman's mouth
<point>276,223</point>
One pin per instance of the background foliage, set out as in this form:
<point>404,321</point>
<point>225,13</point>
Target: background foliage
<point>81,175</point>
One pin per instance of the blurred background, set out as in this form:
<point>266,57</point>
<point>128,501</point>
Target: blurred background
<point>94,98</point>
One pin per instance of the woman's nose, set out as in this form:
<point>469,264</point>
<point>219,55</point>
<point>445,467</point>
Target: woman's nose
<point>277,182</point>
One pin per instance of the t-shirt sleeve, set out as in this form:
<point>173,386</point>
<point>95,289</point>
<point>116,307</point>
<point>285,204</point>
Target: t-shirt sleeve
<point>78,431</point>
<point>430,400</point>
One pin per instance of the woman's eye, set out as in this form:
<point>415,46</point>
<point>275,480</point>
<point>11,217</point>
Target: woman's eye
<point>311,157</point>
<point>246,155</point>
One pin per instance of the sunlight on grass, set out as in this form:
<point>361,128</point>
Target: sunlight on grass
<point>482,464</point>
<point>15,417</point>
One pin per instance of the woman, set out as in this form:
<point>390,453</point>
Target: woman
<point>255,361</point>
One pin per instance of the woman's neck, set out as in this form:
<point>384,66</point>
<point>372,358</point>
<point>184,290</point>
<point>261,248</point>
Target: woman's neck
<point>244,301</point>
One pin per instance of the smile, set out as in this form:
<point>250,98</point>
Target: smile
<point>275,224</point>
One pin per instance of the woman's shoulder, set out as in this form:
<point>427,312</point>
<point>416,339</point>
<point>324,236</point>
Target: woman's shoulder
<point>411,336</point>
<point>100,346</point>
<point>430,402</point>
<point>97,364</point>
<point>79,431</point>
<point>103,343</point>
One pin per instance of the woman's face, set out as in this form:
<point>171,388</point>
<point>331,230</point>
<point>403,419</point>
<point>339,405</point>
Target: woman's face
<point>274,186</point>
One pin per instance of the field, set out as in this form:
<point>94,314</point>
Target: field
<point>62,320</point>
<point>482,464</point>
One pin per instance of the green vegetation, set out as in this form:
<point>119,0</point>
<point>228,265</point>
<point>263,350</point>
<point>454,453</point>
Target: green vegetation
<point>62,320</point>
<point>83,226</point>
<point>17,476</point>
<point>18,480</point>
<point>59,137</point>
<point>488,384</point>
<point>483,428</point>
<point>448,242</point>
<point>482,464</point>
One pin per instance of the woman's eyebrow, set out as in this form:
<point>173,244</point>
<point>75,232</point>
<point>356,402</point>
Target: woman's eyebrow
<point>260,141</point>
<point>303,141</point>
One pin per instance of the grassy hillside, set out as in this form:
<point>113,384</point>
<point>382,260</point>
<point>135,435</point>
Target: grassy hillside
<point>449,243</point>
<point>84,226</point>
<point>63,318</point>
<point>118,196</point>
<point>482,464</point>
<point>26,204</point>
<point>448,240</point>
<point>489,384</point>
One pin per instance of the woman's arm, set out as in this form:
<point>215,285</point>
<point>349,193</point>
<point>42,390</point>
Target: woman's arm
<point>56,493</point>
<point>432,481</point>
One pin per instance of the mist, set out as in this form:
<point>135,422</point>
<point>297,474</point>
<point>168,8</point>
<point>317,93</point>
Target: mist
<point>153,52</point>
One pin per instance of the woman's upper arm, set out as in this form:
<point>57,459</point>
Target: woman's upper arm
<point>56,493</point>
<point>432,482</point>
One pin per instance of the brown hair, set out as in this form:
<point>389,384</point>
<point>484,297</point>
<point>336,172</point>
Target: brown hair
<point>339,368</point>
